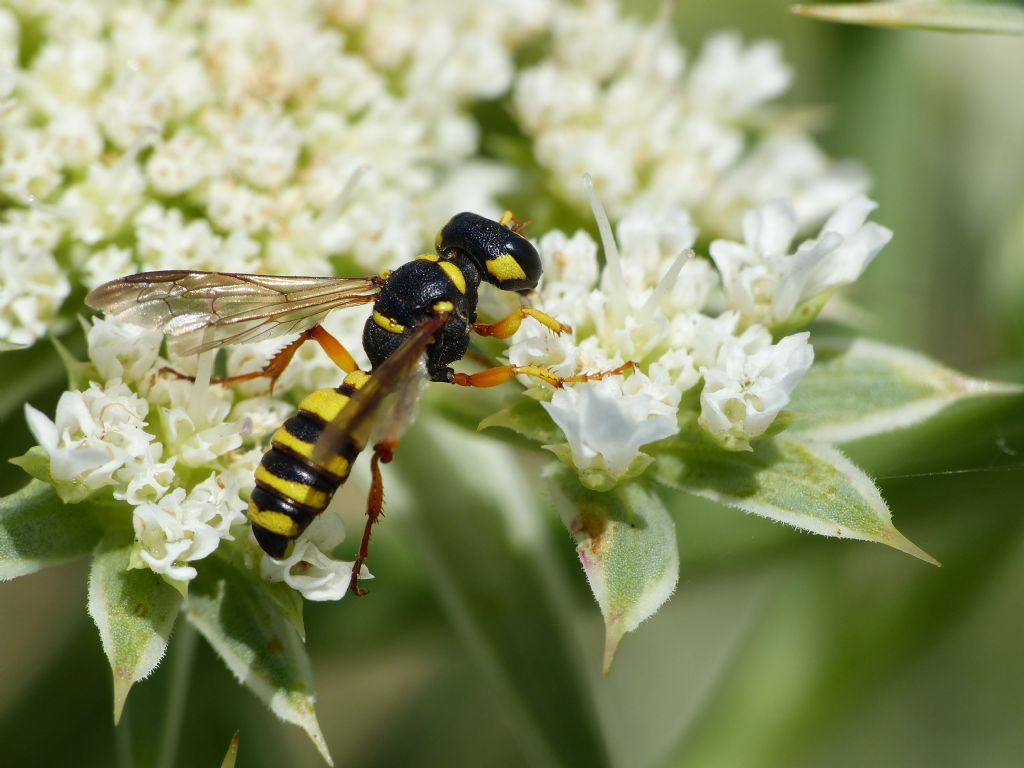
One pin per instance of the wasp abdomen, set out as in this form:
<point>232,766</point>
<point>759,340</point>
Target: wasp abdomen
<point>291,489</point>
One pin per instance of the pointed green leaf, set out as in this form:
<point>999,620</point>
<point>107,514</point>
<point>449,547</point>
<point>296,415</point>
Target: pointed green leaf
<point>231,609</point>
<point>860,388</point>
<point>808,485</point>
<point>79,373</point>
<point>941,15</point>
<point>232,753</point>
<point>626,541</point>
<point>38,530</point>
<point>134,611</point>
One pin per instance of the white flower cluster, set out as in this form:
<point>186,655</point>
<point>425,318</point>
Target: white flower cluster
<point>615,99</point>
<point>658,306</point>
<point>768,285</point>
<point>322,137</point>
<point>181,454</point>
<point>198,135</point>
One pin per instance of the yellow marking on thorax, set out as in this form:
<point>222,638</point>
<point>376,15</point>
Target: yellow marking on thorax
<point>337,466</point>
<point>275,522</point>
<point>443,307</point>
<point>300,493</point>
<point>387,323</point>
<point>455,275</point>
<point>505,267</point>
<point>325,403</point>
<point>428,257</point>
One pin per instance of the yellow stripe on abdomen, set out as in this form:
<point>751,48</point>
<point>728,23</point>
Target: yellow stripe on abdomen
<point>300,493</point>
<point>275,522</point>
<point>337,466</point>
<point>325,404</point>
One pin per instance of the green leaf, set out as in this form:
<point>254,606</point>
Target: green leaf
<point>232,753</point>
<point>940,15</point>
<point>860,388</point>
<point>229,606</point>
<point>626,541</point>
<point>79,373</point>
<point>808,485</point>
<point>134,611</point>
<point>525,416</point>
<point>38,530</point>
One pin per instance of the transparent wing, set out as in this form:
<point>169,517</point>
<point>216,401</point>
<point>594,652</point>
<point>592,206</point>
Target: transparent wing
<point>237,308</point>
<point>401,372</point>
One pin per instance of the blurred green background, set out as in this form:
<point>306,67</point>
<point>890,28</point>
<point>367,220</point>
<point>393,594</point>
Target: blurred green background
<point>779,648</point>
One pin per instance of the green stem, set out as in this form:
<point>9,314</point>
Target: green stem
<point>182,657</point>
<point>123,741</point>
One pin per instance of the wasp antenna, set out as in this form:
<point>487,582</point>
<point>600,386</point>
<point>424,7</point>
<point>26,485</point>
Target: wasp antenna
<point>667,282</point>
<point>611,251</point>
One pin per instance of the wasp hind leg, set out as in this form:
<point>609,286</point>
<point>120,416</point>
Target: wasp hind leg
<point>492,377</point>
<point>335,350</point>
<point>382,454</point>
<point>507,326</point>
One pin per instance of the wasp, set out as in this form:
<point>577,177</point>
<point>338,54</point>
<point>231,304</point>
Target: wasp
<point>423,315</point>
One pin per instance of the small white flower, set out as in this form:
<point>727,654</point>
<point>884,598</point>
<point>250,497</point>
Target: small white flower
<point>749,384</point>
<point>184,527</point>
<point>315,575</point>
<point>93,435</point>
<point>786,165</point>
<point>765,283</point>
<point>606,422</point>
<point>180,163</point>
<point>196,439</point>
<point>727,80</point>
<point>30,166</point>
<point>32,289</point>
<point>101,204</point>
<point>120,350</point>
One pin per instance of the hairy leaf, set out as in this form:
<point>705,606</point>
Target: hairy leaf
<point>860,388</point>
<point>38,530</point>
<point>231,609</point>
<point>808,485</point>
<point>134,610</point>
<point>941,15</point>
<point>626,541</point>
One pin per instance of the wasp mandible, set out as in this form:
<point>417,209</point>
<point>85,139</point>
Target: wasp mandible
<point>423,315</point>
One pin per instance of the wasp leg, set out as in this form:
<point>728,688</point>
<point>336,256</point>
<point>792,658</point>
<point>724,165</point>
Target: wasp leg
<point>502,373</point>
<point>382,454</point>
<point>509,325</point>
<point>335,350</point>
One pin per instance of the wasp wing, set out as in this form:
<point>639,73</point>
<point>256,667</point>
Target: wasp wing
<point>235,308</point>
<point>401,372</point>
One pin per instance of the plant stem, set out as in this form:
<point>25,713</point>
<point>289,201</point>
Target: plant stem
<point>123,757</point>
<point>181,660</point>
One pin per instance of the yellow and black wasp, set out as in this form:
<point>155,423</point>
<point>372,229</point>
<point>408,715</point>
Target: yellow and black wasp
<point>423,314</point>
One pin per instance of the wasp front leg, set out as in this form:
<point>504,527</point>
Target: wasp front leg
<point>492,377</point>
<point>335,350</point>
<point>507,326</point>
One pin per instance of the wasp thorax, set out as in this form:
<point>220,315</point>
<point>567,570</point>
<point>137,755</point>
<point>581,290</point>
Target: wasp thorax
<point>504,258</point>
